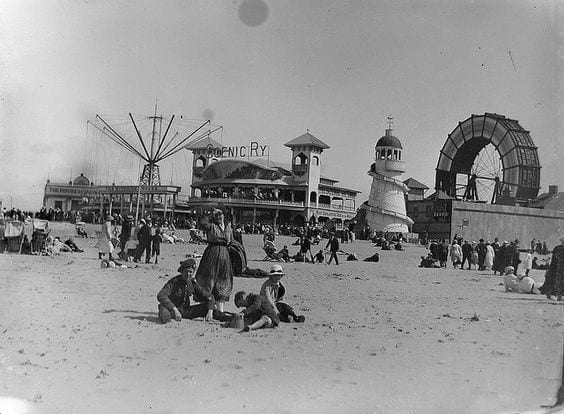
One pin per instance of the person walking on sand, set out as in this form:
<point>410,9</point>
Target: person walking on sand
<point>144,238</point>
<point>466,254</point>
<point>554,277</point>
<point>125,235</point>
<point>333,245</point>
<point>222,259</point>
<point>105,242</point>
<point>456,254</point>
<point>490,254</point>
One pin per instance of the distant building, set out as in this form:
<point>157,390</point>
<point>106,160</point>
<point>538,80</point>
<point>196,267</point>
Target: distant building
<point>553,200</point>
<point>416,190</point>
<point>82,195</point>
<point>254,188</point>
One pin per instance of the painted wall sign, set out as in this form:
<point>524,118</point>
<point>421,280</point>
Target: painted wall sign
<point>253,150</point>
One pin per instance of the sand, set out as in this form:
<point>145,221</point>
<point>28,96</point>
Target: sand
<point>385,337</point>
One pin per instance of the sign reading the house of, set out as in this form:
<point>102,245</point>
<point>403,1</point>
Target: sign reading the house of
<point>254,149</point>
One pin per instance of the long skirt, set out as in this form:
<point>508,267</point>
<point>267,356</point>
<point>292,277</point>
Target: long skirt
<point>215,273</point>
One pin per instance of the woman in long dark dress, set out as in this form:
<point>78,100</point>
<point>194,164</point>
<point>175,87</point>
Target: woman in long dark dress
<point>218,263</point>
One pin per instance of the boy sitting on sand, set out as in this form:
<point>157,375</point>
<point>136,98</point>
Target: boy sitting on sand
<point>273,291</point>
<point>174,297</point>
<point>258,311</point>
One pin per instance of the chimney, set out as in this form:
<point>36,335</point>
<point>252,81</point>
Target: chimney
<point>552,189</point>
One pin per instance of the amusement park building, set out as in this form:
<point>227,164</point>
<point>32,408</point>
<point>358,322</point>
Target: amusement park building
<point>260,190</point>
<point>461,205</point>
<point>82,195</point>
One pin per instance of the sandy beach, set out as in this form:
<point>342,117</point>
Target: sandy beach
<point>385,337</point>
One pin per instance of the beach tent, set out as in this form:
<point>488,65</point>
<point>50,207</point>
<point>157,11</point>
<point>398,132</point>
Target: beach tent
<point>396,228</point>
<point>14,233</point>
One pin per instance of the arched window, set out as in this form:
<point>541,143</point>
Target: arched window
<point>389,154</point>
<point>315,160</point>
<point>395,154</point>
<point>300,159</point>
<point>200,162</point>
<point>377,154</point>
<point>399,155</point>
<point>313,197</point>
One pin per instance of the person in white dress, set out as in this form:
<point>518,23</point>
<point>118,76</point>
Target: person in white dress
<point>490,254</point>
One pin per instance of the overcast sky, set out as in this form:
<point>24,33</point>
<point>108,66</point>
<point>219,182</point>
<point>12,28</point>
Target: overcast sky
<point>268,71</point>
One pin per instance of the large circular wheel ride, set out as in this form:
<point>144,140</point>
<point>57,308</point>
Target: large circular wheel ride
<point>489,158</point>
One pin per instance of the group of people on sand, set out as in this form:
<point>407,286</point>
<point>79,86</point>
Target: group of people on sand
<point>507,258</point>
<point>133,241</point>
<point>211,283</point>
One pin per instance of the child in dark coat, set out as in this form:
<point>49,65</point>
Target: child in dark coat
<point>157,239</point>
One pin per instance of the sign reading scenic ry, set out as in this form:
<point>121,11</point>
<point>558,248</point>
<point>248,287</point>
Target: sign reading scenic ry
<point>242,151</point>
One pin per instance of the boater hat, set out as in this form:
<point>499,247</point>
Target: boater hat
<point>276,270</point>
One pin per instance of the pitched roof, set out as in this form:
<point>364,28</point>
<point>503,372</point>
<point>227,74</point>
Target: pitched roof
<point>203,143</point>
<point>439,195</point>
<point>413,183</point>
<point>549,201</point>
<point>307,139</point>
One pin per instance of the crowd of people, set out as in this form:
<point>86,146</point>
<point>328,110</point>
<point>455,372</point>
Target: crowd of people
<point>506,258</point>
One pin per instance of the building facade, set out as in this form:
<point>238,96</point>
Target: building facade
<point>82,195</point>
<point>261,190</point>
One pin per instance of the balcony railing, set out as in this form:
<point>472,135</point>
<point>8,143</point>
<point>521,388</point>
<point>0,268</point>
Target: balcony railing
<point>258,201</point>
<point>334,207</point>
<point>217,200</point>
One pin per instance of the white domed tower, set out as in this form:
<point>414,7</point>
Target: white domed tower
<point>385,209</point>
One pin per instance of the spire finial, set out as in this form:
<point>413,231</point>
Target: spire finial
<point>390,121</point>
<point>307,130</point>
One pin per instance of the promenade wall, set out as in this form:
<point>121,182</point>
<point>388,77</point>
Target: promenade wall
<point>488,221</point>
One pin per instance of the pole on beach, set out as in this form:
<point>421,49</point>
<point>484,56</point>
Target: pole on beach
<point>560,392</point>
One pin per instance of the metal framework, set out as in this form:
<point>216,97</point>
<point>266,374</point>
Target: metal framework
<point>158,147</point>
<point>516,177</point>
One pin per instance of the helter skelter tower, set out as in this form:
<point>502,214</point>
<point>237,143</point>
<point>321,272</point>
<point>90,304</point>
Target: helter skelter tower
<point>385,209</point>
<point>157,146</point>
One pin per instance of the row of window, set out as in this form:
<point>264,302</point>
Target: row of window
<point>388,154</point>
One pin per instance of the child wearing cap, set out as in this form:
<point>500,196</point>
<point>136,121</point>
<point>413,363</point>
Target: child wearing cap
<point>258,311</point>
<point>273,291</point>
<point>174,297</point>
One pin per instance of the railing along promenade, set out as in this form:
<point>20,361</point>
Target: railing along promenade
<point>258,201</point>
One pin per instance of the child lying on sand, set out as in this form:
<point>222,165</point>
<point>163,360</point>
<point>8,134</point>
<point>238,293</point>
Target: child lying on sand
<point>258,311</point>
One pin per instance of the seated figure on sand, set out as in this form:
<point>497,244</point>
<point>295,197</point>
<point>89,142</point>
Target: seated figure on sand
<point>374,258</point>
<point>519,284</point>
<point>319,257</point>
<point>174,297</point>
<point>273,291</point>
<point>258,312</point>
<point>429,261</point>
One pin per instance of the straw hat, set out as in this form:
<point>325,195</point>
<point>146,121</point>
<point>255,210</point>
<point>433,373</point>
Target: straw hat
<point>276,270</point>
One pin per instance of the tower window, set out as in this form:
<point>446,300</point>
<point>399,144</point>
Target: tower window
<point>315,160</point>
